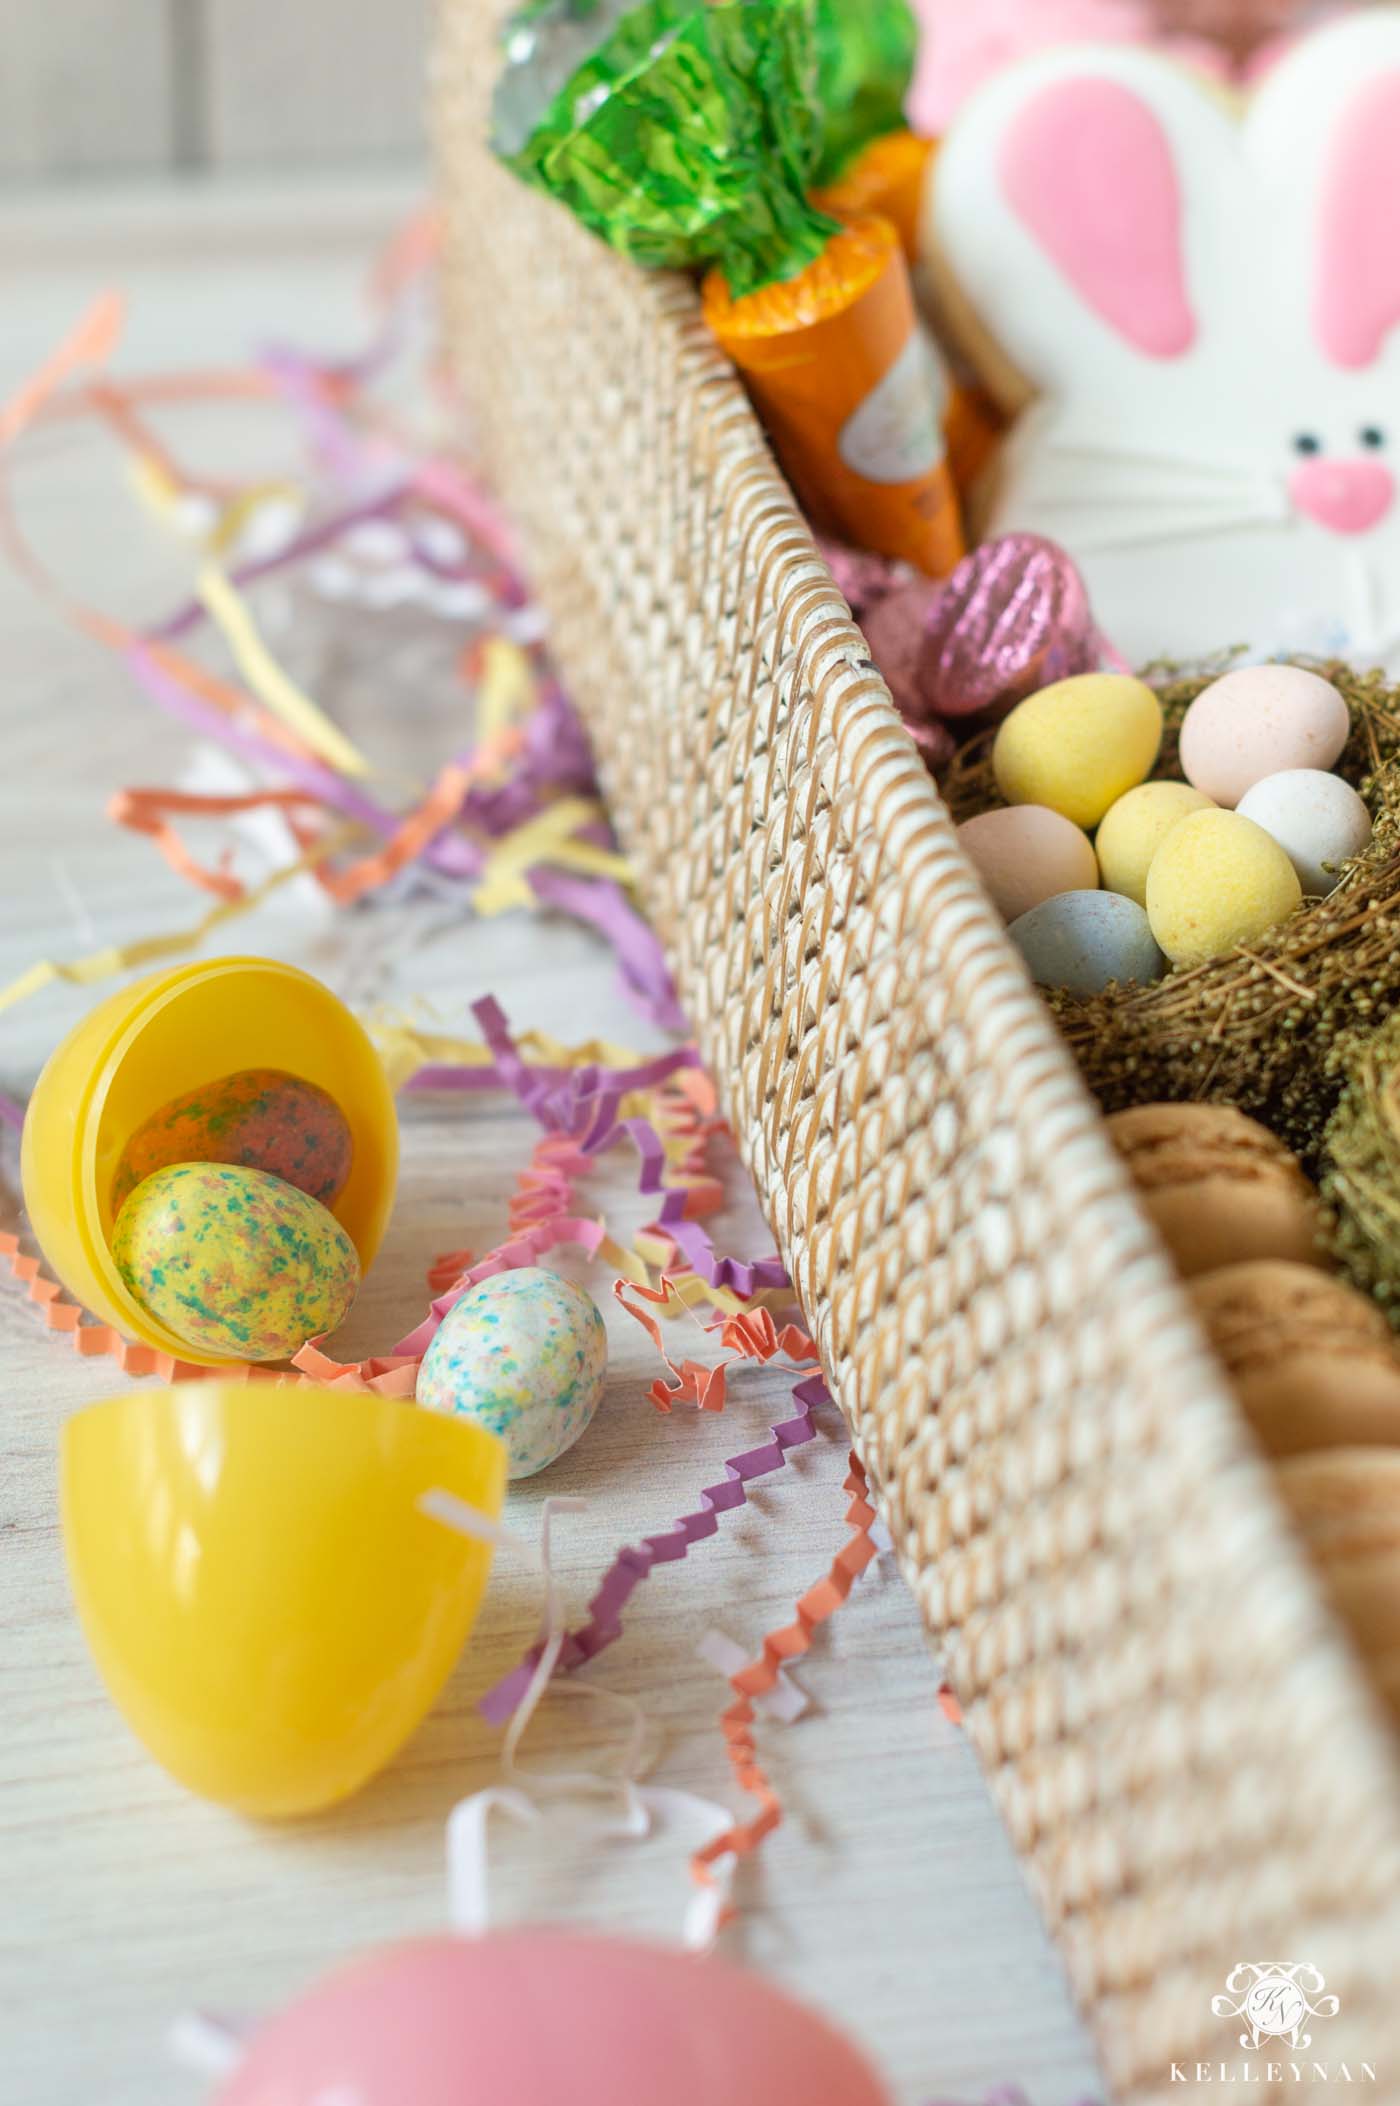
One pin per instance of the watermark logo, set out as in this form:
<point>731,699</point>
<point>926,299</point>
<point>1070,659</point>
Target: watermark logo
<point>1275,2000</point>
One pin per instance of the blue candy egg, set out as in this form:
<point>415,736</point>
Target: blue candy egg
<point>1083,940</point>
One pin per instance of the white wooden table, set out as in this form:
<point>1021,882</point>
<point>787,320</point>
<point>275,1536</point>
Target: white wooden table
<point>890,1896</point>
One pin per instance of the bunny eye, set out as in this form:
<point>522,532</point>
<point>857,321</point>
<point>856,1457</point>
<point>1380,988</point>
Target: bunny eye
<point>1372,436</point>
<point>1307,442</point>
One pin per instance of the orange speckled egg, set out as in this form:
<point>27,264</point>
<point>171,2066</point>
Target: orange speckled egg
<point>261,1118</point>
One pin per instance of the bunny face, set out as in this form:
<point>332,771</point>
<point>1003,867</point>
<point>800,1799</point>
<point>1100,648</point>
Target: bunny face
<point>1206,312</point>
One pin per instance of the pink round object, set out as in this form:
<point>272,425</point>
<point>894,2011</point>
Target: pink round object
<point>537,2018</point>
<point>1258,721</point>
<point>896,630</point>
<point>1026,854</point>
<point>861,578</point>
<point>1013,618</point>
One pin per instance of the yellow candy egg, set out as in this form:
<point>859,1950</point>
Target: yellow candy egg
<point>1217,880</point>
<point>233,1261</point>
<point>1077,746</point>
<point>1133,829</point>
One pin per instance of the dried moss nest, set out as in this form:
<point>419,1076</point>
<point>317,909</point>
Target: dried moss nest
<point>1265,1026</point>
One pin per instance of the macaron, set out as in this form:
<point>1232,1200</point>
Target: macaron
<point>1258,721</point>
<point>1346,1507</point>
<point>1026,854</point>
<point>1311,1361</point>
<point>1219,1188</point>
<point>1345,1502</point>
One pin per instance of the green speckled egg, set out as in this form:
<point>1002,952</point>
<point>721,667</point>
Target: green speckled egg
<point>259,1117</point>
<point>235,1262</point>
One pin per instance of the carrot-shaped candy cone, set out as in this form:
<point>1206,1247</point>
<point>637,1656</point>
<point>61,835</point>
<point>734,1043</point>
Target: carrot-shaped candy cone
<point>688,137</point>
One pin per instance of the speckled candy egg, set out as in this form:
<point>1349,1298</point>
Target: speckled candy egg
<point>259,1117</point>
<point>1257,722</point>
<point>1025,853</point>
<point>235,1262</point>
<point>1133,829</point>
<point>1077,746</point>
<point>1083,940</point>
<point>1217,880</point>
<point>523,1354</point>
<point>1318,820</point>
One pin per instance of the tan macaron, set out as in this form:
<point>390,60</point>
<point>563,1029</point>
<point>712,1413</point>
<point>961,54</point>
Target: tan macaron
<point>1219,1188</point>
<point>1346,1506</point>
<point>1311,1361</point>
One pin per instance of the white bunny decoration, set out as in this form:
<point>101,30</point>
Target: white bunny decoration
<point>1205,312</point>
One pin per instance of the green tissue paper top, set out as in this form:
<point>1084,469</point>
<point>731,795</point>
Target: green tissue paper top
<point>866,51</point>
<point>685,133</point>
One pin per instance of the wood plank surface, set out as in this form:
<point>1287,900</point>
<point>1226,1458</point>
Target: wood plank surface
<point>890,1897</point>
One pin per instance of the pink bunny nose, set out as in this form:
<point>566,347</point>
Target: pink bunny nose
<point>1347,496</point>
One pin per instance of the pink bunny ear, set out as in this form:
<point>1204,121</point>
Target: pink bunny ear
<point>1087,168</point>
<point>1358,275</point>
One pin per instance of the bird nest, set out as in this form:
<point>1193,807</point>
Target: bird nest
<point>1260,1026</point>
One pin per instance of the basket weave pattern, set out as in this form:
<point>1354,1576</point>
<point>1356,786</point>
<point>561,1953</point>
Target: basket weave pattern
<point>1186,1758</point>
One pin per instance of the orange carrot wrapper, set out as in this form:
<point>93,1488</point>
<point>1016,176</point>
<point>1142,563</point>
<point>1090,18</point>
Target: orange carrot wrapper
<point>842,374</point>
<point>887,177</point>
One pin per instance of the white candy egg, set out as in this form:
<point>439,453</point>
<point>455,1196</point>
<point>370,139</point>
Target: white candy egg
<point>523,1354</point>
<point>1317,819</point>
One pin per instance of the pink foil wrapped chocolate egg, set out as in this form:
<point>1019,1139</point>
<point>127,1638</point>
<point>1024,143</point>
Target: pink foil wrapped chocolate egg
<point>1013,618</point>
<point>541,2017</point>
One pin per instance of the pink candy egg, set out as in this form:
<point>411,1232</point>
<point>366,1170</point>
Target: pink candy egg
<point>1258,721</point>
<point>541,2018</point>
<point>1025,853</point>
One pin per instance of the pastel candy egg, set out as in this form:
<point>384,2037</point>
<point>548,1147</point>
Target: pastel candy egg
<point>1077,746</point>
<point>548,2018</point>
<point>1132,830</point>
<point>234,1262</point>
<point>1025,853</point>
<point>1217,880</point>
<point>260,1117</point>
<point>1318,820</point>
<point>1260,721</point>
<point>523,1354</point>
<point>1083,940</point>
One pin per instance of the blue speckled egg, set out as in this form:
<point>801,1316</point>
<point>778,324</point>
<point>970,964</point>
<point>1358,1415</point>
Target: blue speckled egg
<point>1083,940</point>
<point>525,1355</point>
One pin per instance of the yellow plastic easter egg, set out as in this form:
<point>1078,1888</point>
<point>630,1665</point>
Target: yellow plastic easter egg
<point>140,1054</point>
<point>1134,828</point>
<point>266,1601</point>
<point>1217,880</point>
<point>235,1262</point>
<point>1077,746</point>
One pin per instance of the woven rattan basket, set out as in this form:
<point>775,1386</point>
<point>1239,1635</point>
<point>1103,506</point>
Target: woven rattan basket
<point>1189,1762</point>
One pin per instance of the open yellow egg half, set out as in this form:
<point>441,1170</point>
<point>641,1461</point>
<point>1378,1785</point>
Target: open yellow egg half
<point>153,1042</point>
<point>268,1604</point>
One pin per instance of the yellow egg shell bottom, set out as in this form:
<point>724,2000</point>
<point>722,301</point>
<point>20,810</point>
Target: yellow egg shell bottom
<point>234,1262</point>
<point>1216,881</point>
<point>1079,745</point>
<point>1133,829</point>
